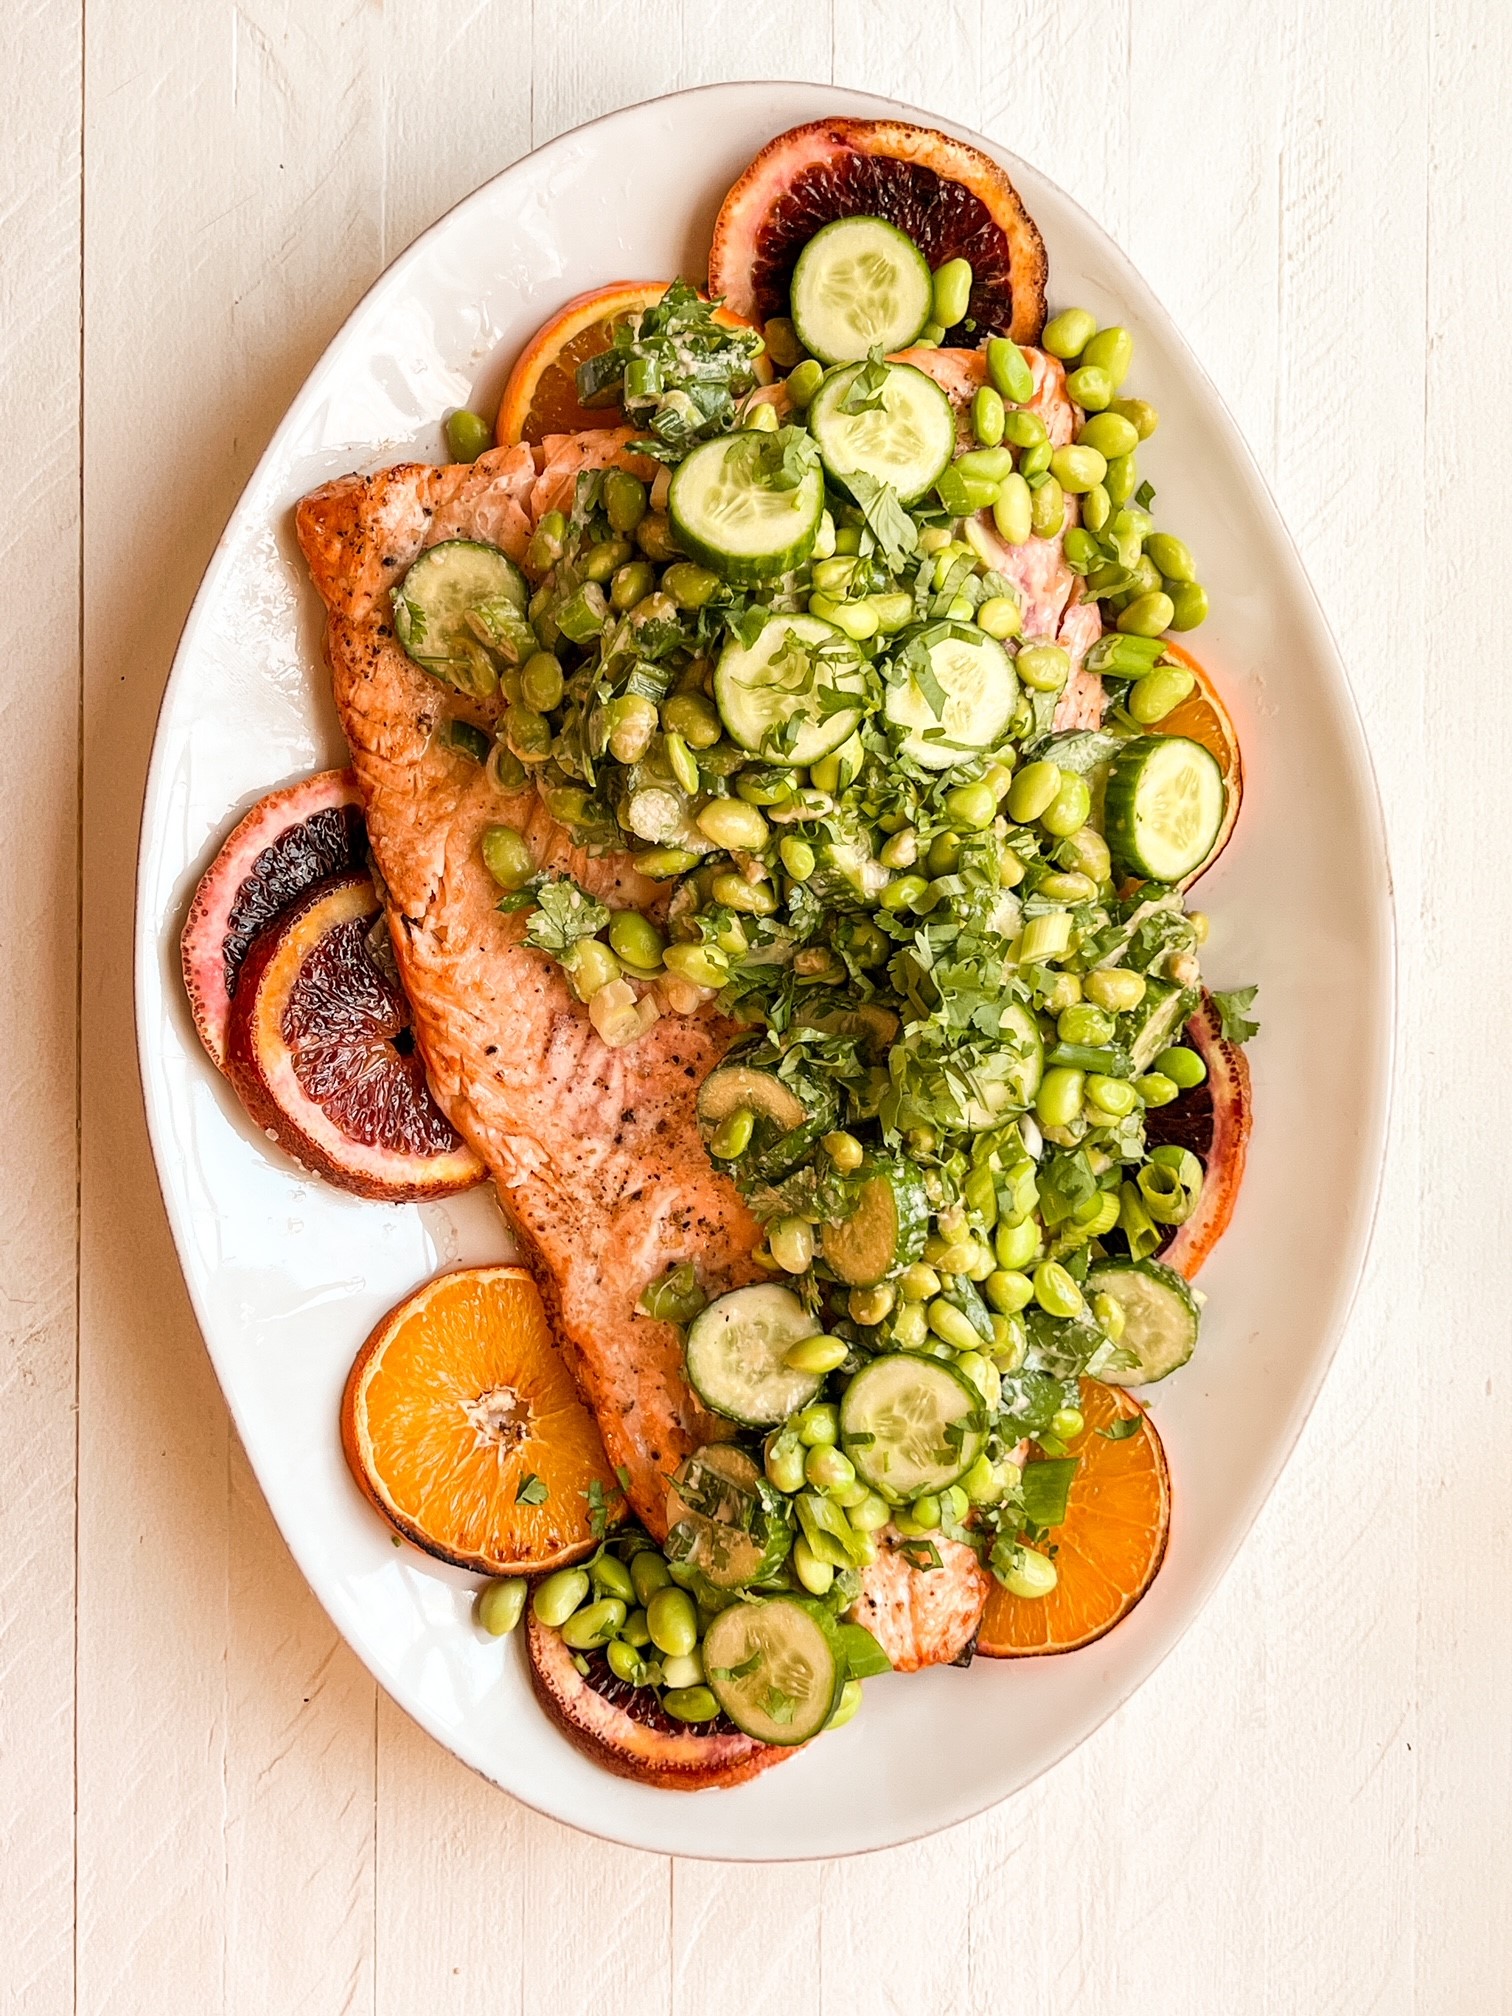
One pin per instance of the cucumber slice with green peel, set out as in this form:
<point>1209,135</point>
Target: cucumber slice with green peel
<point>1161,1318</point>
<point>979,1095</point>
<point>784,696</point>
<point>874,1027</point>
<point>786,1123</point>
<point>1159,1019</point>
<point>886,1230</point>
<point>736,1349</point>
<point>911,1424</point>
<point>860,283</point>
<point>725,1519</point>
<point>903,434</point>
<point>727,513</point>
<point>461,601</point>
<point>776,1668</point>
<point>960,699</point>
<point>1164,807</point>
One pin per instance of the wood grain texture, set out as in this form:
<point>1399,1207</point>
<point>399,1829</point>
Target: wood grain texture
<point>1304,1810</point>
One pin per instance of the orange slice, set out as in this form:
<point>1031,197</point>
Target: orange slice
<point>1110,1546</point>
<point>541,396</point>
<point>462,1425</point>
<point>1203,718</point>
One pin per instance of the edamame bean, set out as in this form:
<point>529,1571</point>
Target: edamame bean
<point>797,857</point>
<point>909,1327</point>
<point>648,1573</point>
<point>695,1704</point>
<point>1067,334</point>
<point>1055,1291</point>
<point>1068,887</point>
<point>1077,469</point>
<point>857,619</point>
<point>541,681</point>
<point>528,734</point>
<point>1087,852</point>
<point>1110,434</point>
<point>1184,1067</point>
<point>558,1596</point>
<point>1068,810</point>
<point>951,1325</point>
<point>468,435</point>
<point>672,1620</point>
<point>500,1605</point>
<point>1013,513</point>
<point>654,537</point>
<point>783,1461</point>
<point>846,1707</point>
<point>1082,1023</point>
<point>985,465</point>
<point>1148,615</point>
<point>1059,1098</point>
<point>781,338</point>
<point>694,718</point>
<point>1010,1342</point>
<point>624,500</point>
<point>704,965</point>
<point>952,292</point>
<point>630,585</point>
<point>917,1283</point>
<point>901,850</point>
<point>903,893</point>
<point>1090,386</point>
<point>1122,480</point>
<point>1047,509</point>
<point>592,967</point>
<point>871,1305</point>
<point>971,806</point>
<point>507,857</point>
<point>1115,988</point>
<point>828,1468</point>
<point>1112,350</point>
<point>988,416</point>
<point>731,823</point>
<point>1155,1089</point>
<point>625,1663</point>
<point>815,1575</point>
<point>1031,1575</point>
<point>1113,1096</point>
<point>636,939</point>
<point>1096,509</point>
<point>1189,605</point>
<point>760,416</point>
<point>611,1577</point>
<point>732,1136</point>
<point>817,1423</point>
<point>1140,412</point>
<point>1160,693</point>
<point>1009,369</point>
<point>924,1513</point>
<point>1016,1245</point>
<point>1024,430</point>
<point>894,610</point>
<point>1032,791</point>
<point>689,585</point>
<point>817,1354</point>
<point>791,1241</point>
<point>803,381</point>
<point>661,864</point>
<point>982,1484</point>
<point>869,1514</point>
<point>603,561</point>
<point>944,854</point>
<point>1172,556</point>
<point>1044,668</point>
<point>999,616</point>
<point>682,763</point>
<point>1008,1291</point>
<point>844,1150</point>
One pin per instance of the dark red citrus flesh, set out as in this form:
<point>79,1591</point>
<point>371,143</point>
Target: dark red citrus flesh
<point>321,1052</point>
<point>625,1729</point>
<point>288,842</point>
<point>1213,1120</point>
<point>949,198</point>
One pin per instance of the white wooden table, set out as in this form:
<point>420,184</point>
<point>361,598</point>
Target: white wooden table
<point>204,1806</point>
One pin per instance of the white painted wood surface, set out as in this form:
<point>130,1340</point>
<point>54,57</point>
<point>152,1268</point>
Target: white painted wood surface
<point>203,1806</point>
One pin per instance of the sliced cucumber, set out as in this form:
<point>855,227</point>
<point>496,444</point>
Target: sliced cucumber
<point>775,696</point>
<point>904,434</point>
<point>725,1519</point>
<point>775,1668</point>
<point>874,1027</point>
<point>859,283</point>
<point>727,513</point>
<point>736,1349</point>
<point>1158,1020</point>
<point>965,703</point>
<point>886,1230</point>
<point>980,1095</point>
<point>787,1123</point>
<point>911,1424</point>
<point>459,602</point>
<point>1164,806</point>
<point>1160,1317</point>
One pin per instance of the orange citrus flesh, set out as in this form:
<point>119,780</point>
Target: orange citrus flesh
<point>455,1402</point>
<point>1110,1546</point>
<point>541,396</point>
<point>1202,717</point>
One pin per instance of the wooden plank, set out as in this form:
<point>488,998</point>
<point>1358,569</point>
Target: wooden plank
<point>39,366</point>
<point>207,297</point>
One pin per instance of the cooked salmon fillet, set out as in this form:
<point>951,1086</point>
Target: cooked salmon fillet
<point>595,1151</point>
<point>922,1615</point>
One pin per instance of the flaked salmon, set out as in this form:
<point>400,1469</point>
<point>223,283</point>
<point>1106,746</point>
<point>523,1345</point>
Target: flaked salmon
<point>595,1151</point>
<point>922,1612</point>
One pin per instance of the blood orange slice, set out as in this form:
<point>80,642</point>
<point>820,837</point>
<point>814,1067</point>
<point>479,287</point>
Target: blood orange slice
<point>626,1729</point>
<point>1202,717</point>
<point>461,1423</point>
<point>1110,1547</point>
<point>949,198</point>
<point>1213,1119</point>
<point>288,842</point>
<point>321,1052</point>
<point>541,397</point>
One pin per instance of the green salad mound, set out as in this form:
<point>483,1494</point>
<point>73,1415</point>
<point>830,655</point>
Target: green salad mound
<point>794,674</point>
